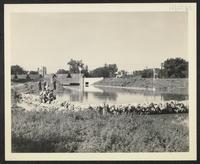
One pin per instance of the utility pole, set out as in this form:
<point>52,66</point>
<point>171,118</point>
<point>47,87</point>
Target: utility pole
<point>153,78</point>
<point>161,73</point>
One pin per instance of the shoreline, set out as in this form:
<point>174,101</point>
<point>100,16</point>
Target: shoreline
<point>121,87</point>
<point>31,102</point>
<point>60,100</point>
<point>174,86</point>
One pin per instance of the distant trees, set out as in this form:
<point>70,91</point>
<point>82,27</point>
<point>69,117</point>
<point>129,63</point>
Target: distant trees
<point>171,68</point>
<point>112,68</point>
<point>16,69</point>
<point>99,72</point>
<point>106,71</point>
<point>77,66</point>
<point>146,73</point>
<point>34,72</point>
<point>137,73</point>
<point>19,74</point>
<point>85,71</point>
<point>62,71</point>
<point>175,68</point>
<point>149,73</point>
<point>122,73</point>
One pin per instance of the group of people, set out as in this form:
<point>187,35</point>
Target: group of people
<point>46,94</point>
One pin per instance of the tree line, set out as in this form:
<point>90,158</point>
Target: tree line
<point>77,66</point>
<point>170,68</point>
<point>18,70</point>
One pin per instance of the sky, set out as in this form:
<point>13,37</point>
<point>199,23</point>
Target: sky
<point>132,40</point>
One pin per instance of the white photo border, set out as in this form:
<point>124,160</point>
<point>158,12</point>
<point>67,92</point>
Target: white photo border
<point>190,8</point>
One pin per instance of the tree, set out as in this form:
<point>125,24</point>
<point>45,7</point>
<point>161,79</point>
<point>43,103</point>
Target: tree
<point>16,69</point>
<point>122,73</point>
<point>175,68</point>
<point>85,71</point>
<point>62,71</point>
<point>106,71</point>
<point>100,72</point>
<point>112,68</point>
<point>34,72</point>
<point>147,73</point>
<point>75,66</point>
<point>137,73</point>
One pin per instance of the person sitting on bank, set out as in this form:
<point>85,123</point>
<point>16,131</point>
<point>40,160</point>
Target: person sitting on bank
<point>47,96</point>
<point>50,96</point>
<point>43,96</point>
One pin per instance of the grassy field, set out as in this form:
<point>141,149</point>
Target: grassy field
<point>87,131</point>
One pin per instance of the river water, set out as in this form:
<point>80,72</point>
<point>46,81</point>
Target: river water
<point>114,95</point>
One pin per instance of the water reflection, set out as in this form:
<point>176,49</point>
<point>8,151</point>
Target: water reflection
<point>106,96</point>
<point>99,95</point>
<point>177,97</point>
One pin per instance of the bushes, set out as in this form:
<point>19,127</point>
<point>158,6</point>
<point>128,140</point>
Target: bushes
<point>87,131</point>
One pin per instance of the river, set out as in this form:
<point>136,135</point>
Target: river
<point>114,95</point>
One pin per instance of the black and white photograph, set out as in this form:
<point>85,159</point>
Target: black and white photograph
<point>114,80</point>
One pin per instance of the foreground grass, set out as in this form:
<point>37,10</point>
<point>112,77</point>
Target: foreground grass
<point>87,131</point>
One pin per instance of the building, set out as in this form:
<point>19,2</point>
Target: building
<point>76,79</point>
<point>42,71</point>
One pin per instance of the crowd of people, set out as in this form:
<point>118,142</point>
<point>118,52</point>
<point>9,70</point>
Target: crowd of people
<point>47,94</point>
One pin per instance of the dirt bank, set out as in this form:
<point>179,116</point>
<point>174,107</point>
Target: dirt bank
<point>31,88</point>
<point>178,86</point>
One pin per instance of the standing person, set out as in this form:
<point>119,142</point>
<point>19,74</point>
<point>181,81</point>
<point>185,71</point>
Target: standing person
<point>40,85</point>
<point>54,84</point>
<point>54,81</point>
<point>44,85</point>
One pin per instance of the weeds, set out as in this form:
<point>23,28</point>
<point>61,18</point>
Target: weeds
<point>88,131</point>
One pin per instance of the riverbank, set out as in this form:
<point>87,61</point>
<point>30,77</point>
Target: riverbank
<point>29,102</point>
<point>64,127</point>
<point>178,86</point>
<point>31,87</point>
